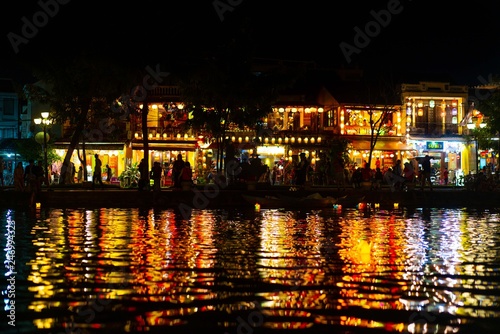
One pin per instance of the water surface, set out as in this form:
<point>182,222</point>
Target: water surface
<point>351,271</point>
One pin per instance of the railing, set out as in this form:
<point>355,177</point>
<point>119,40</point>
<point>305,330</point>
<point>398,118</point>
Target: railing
<point>171,91</point>
<point>364,130</point>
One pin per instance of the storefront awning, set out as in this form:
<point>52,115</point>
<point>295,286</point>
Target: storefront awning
<point>382,145</point>
<point>166,146</point>
<point>93,146</point>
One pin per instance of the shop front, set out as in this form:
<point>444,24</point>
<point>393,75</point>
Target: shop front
<point>386,152</point>
<point>453,155</point>
<point>112,154</point>
<point>165,152</point>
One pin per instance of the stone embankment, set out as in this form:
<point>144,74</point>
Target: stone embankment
<point>213,197</point>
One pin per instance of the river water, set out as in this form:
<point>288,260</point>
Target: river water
<point>116,270</point>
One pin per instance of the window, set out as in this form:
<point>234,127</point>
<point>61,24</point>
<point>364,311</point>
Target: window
<point>8,107</point>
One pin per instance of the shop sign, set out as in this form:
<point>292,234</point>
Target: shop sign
<point>435,145</point>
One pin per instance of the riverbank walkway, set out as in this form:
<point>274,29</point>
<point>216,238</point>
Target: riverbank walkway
<point>224,196</point>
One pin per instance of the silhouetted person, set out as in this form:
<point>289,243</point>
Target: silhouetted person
<point>186,173</point>
<point>156,172</point>
<point>301,170</point>
<point>426,171</point>
<point>97,171</point>
<point>177,167</point>
<point>143,179</point>
<point>109,173</point>
<point>30,176</point>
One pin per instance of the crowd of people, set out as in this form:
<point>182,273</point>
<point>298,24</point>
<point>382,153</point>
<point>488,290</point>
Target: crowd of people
<point>398,176</point>
<point>179,172</point>
<point>293,172</point>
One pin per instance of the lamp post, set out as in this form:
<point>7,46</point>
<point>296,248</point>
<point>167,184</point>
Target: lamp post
<point>44,121</point>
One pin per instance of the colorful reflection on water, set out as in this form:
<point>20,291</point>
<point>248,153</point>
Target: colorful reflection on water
<point>130,270</point>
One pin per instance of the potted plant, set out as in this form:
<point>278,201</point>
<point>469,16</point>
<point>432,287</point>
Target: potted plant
<point>129,178</point>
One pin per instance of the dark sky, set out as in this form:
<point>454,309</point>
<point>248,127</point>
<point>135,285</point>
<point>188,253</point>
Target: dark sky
<point>416,37</point>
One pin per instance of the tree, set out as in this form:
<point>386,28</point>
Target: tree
<point>225,89</point>
<point>82,92</point>
<point>485,101</point>
<point>382,104</point>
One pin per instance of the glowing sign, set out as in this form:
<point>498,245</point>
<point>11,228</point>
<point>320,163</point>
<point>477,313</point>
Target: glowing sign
<point>435,145</point>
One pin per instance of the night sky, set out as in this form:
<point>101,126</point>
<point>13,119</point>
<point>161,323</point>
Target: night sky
<point>416,37</point>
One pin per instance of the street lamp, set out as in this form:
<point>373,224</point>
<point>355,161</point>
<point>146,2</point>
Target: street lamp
<point>45,121</point>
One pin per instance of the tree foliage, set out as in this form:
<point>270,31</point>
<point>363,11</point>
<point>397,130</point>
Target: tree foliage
<point>226,89</point>
<point>489,106</point>
<point>82,91</point>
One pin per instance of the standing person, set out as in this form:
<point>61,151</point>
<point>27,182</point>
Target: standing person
<point>176,171</point>
<point>408,172</point>
<point>445,176</point>
<point>274,176</point>
<point>1,172</point>
<point>301,170</point>
<point>186,173</point>
<point>426,171</point>
<point>80,174</point>
<point>29,176</point>
<point>397,169</point>
<point>156,172</point>
<point>109,173</point>
<point>378,178</point>
<point>40,175</point>
<point>19,177</point>
<point>97,171</point>
<point>143,180</point>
